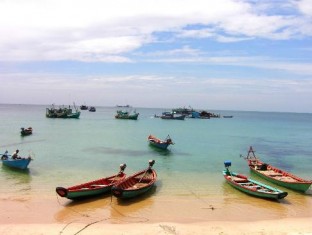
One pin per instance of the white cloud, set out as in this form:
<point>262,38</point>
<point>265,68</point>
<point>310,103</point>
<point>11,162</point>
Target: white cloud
<point>99,30</point>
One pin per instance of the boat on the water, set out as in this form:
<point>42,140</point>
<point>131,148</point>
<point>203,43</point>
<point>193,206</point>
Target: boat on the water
<point>136,184</point>
<point>156,142</point>
<point>126,115</point>
<point>18,163</point>
<point>26,131</point>
<point>92,109</point>
<point>83,107</point>
<point>92,188</point>
<point>250,186</point>
<point>276,175</point>
<point>62,112</point>
<point>172,116</point>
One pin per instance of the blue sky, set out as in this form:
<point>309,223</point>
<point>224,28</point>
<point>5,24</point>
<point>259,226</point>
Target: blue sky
<point>225,54</point>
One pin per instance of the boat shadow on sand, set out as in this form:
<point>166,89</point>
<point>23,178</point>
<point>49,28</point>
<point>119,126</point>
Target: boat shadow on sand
<point>105,207</point>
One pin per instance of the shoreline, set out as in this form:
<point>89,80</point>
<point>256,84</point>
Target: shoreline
<point>289,226</point>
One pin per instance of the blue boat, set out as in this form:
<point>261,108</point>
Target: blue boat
<point>20,163</point>
<point>162,144</point>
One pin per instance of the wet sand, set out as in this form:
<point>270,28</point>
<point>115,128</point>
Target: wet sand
<point>193,213</point>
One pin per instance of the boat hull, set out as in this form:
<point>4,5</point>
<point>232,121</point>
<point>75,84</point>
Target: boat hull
<point>17,163</point>
<point>90,189</point>
<point>297,186</point>
<point>135,185</point>
<point>163,146</point>
<point>261,193</point>
<point>130,117</point>
<point>127,194</point>
<point>74,195</point>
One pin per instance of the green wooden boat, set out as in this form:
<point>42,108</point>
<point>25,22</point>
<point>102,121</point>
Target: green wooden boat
<point>251,187</point>
<point>92,188</point>
<point>62,112</point>
<point>126,115</point>
<point>275,175</point>
<point>137,184</point>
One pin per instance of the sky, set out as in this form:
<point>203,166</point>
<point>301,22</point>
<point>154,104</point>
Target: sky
<point>250,55</point>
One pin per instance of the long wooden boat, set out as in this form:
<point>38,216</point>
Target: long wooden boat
<point>26,131</point>
<point>126,115</point>
<point>276,175</point>
<point>18,163</point>
<point>137,184</point>
<point>250,186</point>
<point>92,188</point>
<point>162,144</point>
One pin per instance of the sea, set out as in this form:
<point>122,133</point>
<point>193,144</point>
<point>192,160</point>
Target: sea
<point>190,186</point>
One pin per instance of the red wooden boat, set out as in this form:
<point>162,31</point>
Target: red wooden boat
<point>162,144</point>
<point>92,188</point>
<point>136,184</point>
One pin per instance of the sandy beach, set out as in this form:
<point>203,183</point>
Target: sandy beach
<point>277,227</point>
<point>109,216</point>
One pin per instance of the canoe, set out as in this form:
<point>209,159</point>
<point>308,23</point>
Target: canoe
<point>162,144</point>
<point>92,188</point>
<point>26,131</point>
<point>250,186</point>
<point>276,175</point>
<point>20,163</point>
<point>137,184</point>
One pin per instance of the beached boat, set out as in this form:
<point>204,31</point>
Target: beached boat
<point>18,163</point>
<point>172,116</point>
<point>137,184</point>
<point>276,175</point>
<point>92,109</point>
<point>26,131</point>
<point>249,186</point>
<point>162,144</point>
<point>62,112</point>
<point>126,115</point>
<point>92,188</point>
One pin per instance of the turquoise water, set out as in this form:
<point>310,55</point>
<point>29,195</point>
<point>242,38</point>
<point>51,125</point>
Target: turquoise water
<point>70,151</point>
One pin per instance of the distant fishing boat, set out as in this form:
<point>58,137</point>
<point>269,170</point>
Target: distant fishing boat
<point>92,188</point>
<point>162,144</point>
<point>172,116</point>
<point>18,163</point>
<point>276,175</point>
<point>83,107</point>
<point>26,131</point>
<point>123,106</point>
<point>126,115</point>
<point>92,109</point>
<point>62,112</point>
<point>137,184</point>
<point>249,186</point>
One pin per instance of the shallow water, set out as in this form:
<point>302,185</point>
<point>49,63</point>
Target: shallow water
<point>190,186</point>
